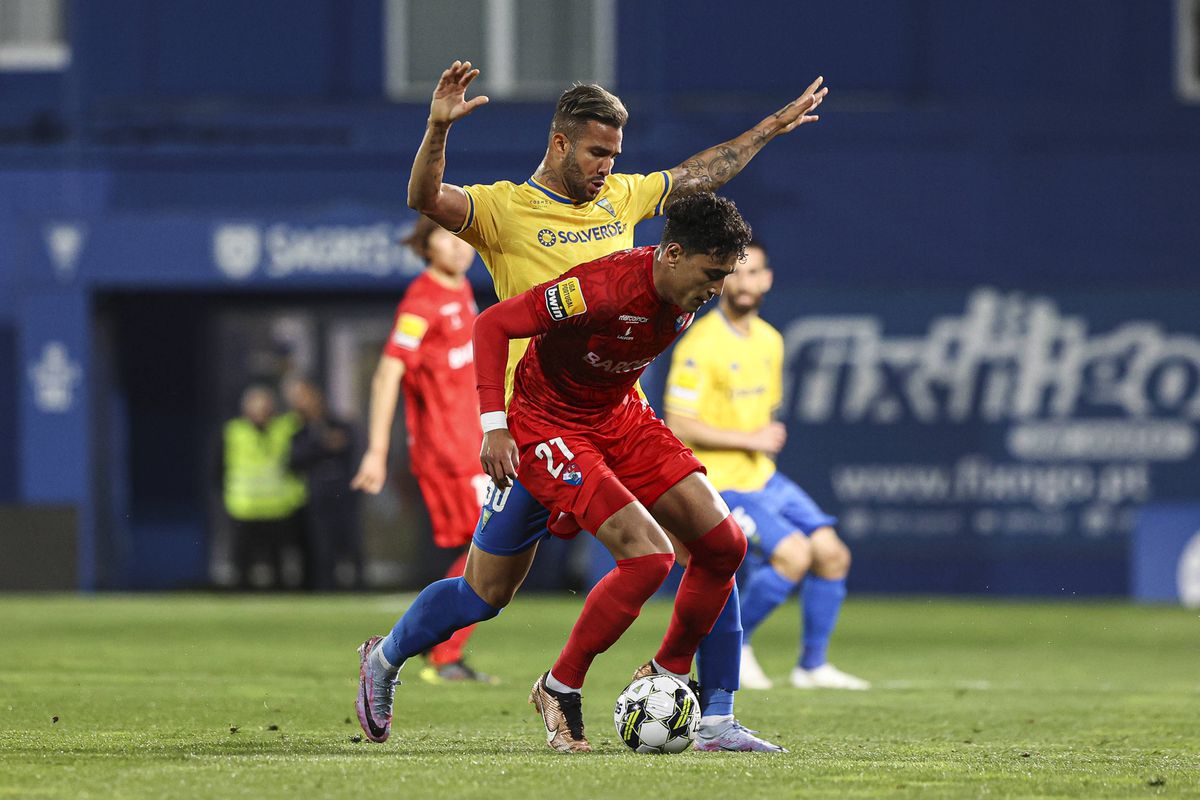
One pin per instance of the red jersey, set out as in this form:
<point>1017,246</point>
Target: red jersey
<point>599,326</point>
<point>432,336</point>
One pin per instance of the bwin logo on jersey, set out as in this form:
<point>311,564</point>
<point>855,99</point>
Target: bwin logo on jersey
<point>572,474</point>
<point>565,299</point>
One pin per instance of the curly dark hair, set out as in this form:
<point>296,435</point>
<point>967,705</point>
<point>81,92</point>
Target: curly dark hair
<point>706,223</point>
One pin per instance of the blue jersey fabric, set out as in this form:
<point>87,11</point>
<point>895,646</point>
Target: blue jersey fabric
<point>774,512</point>
<point>510,522</point>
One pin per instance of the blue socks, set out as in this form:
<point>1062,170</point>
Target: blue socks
<point>822,599</point>
<point>766,590</point>
<point>440,609</point>
<point>719,660</point>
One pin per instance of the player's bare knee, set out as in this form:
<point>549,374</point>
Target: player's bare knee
<point>496,593</point>
<point>496,579</point>
<point>831,556</point>
<point>793,556</point>
<point>681,552</point>
<point>632,533</point>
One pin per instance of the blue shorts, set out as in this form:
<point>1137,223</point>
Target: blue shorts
<point>774,512</point>
<point>510,522</point>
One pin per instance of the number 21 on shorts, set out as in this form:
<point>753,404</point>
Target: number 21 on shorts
<point>543,451</point>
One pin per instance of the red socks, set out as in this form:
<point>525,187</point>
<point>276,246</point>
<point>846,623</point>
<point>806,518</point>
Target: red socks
<point>451,650</point>
<point>705,587</point>
<point>611,607</point>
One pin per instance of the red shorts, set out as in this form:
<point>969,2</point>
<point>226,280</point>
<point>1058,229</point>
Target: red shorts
<point>453,502</point>
<point>591,472</point>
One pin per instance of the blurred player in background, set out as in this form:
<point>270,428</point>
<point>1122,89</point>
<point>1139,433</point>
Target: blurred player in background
<point>430,354</point>
<point>573,209</point>
<point>726,382</point>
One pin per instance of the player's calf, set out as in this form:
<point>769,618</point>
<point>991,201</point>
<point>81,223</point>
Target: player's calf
<point>706,585</point>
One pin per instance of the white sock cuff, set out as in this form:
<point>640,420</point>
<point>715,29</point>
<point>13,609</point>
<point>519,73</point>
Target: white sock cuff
<point>661,670</point>
<point>382,662</point>
<point>716,721</point>
<point>558,686</point>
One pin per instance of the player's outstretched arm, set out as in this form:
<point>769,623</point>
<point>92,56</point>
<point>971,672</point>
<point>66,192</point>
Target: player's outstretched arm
<point>444,203</point>
<point>385,391</point>
<point>716,166</point>
<point>691,431</point>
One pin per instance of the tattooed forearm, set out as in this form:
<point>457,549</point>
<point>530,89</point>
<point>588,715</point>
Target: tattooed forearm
<point>712,169</point>
<point>425,181</point>
<point>724,165</point>
<point>435,147</point>
<point>716,166</point>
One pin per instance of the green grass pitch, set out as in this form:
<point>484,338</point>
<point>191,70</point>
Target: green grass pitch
<point>222,696</point>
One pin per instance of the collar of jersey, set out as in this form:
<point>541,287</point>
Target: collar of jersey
<point>732,328</point>
<point>555,196</point>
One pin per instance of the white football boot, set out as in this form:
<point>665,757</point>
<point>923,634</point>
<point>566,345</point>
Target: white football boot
<point>731,736</point>
<point>826,676</point>
<point>752,676</point>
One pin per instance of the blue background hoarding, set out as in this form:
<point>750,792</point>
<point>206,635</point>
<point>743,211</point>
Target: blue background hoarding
<point>986,275</point>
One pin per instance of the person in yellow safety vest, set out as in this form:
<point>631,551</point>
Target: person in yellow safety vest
<point>263,497</point>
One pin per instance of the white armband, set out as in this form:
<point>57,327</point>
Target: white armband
<point>493,421</point>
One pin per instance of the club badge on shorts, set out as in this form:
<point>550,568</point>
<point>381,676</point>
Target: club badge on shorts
<point>572,475</point>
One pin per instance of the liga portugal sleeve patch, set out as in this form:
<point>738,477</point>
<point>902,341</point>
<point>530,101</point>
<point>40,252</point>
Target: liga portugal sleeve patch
<point>409,331</point>
<point>565,299</point>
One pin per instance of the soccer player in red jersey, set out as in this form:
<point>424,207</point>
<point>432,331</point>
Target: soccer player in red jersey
<point>430,354</point>
<point>574,208</point>
<point>587,447</point>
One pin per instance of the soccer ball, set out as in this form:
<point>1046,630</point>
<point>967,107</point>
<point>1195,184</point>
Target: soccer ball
<point>657,714</point>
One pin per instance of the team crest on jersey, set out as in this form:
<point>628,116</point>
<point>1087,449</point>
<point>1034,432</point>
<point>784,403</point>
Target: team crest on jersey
<point>565,299</point>
<point>572,475</point>
<point>682,321</point>
<point>607,206</point>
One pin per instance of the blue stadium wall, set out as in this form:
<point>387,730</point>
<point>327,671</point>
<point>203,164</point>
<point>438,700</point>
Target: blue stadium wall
<point>981,182</point>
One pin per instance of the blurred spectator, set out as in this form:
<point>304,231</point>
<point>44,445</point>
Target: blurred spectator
<point>263,498</point>
<point>323,451</point>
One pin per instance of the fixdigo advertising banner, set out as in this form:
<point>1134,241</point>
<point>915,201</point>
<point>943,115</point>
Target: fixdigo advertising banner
<point>991,441</point>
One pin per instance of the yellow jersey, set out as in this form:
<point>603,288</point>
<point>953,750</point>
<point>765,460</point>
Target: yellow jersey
<point>732,381</point>
<point>527,234</point>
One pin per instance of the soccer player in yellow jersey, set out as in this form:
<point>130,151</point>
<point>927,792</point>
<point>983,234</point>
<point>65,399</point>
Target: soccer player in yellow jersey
<point>725,385</point>
<point>573,209</point>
